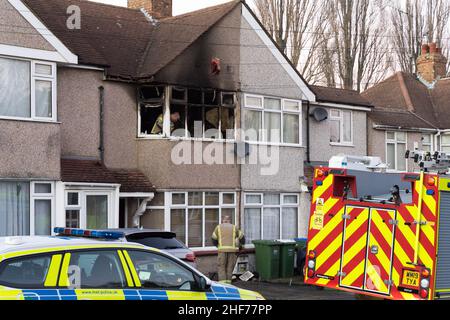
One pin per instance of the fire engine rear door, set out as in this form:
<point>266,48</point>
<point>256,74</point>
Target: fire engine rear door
<point>354,248</point>
<point>378,273</point>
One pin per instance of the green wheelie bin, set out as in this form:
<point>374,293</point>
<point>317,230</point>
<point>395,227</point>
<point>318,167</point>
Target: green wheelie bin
<point>267,259</point>
<point>287,258</point>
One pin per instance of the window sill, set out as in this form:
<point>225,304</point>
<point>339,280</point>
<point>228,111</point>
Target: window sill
<point>174,139</point>
<point>209,252</point>
<point>268,144</point>
<point>343,145</point>
<point>29,120</point>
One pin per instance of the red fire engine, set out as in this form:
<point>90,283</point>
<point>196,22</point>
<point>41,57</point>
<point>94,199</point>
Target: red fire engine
<point>380,234</point>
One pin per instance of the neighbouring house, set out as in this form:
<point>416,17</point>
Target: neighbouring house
<point>92,110</point>
<point>411,111</point>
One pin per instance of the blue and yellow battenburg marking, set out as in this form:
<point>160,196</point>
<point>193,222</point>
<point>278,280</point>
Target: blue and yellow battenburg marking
<point>218,292</point>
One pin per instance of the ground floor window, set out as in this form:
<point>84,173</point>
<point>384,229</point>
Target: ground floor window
<point>270,216</point>
<point>26,208</point>
<point>195,215</point>
<point>87,209</point>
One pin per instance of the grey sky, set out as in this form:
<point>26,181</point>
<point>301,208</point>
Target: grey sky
<point>180,6</point>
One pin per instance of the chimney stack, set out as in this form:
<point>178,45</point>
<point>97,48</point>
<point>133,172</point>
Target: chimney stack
<point>431,65</point>
<point>156,8</point>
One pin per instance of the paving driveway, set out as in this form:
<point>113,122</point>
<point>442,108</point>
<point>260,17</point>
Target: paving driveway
<point>281,291</point>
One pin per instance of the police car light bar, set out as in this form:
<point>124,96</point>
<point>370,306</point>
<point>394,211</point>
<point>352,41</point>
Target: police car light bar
<point>110,235</point>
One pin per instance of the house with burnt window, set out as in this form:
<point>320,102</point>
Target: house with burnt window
<point>411,111</point>
<point>131,117</point>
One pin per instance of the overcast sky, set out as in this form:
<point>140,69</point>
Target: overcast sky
<point>179,6</point>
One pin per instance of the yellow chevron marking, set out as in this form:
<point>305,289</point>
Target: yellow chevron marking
<point>349,279</point>
<point>329,251</point>
<point>329,227</point>
<point>319,191</point>
<point>425,257</point>
<point>382,226</point>
<point>384,260</point>
<point>429,233</point>
<point>375,283</point>
<point>334,269</point>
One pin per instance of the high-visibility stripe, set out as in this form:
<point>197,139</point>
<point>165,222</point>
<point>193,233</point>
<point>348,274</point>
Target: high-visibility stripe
<point>64,275</point>
<point>53,271</point>
<point>219,235</point>
<point>126,269</point>
<point>137,281</point>
<point>319,190</point>
<point>330,226</point>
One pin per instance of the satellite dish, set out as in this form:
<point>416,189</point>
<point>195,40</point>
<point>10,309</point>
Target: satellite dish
<point>242,149</point>
<point>320,114</point>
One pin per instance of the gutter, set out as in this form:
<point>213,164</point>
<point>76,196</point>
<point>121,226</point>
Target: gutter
<point>384,127</point>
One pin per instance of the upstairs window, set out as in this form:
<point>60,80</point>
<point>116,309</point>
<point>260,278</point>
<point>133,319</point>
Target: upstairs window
<point>341,127</point>
<point>445,143</point>
<point>192,113</point>
<point>396,150</point>
<point>272,120</point>
<point>27,89</point>
<point>427,142</point>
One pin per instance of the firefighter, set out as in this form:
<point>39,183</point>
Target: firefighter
<point>159,123</point>
<point>228,239</point>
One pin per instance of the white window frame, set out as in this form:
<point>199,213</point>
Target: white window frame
<point>263,206</point>
<point>442,145</point>
<point>396,142</point>
<point>428,144</point>
<point>82,204</point>
<point>341,120</point>
<point>186,207</point>
<point>33,78</point>
<point>263,138</point>
<point>41,196</point>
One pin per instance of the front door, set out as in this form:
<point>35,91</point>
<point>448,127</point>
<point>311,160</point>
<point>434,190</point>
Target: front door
<point>367,249</point>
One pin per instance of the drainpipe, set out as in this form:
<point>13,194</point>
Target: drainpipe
<point>308,134</point>
<point>141,210</point>
<point>102,122</point>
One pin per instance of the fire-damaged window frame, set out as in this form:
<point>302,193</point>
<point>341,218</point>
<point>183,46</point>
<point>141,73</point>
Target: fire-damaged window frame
<point>342,127</point>
<point>284,111</point>
<point>167,101</point>
<point>186,206</point>
<point>261,205</point>
<point>396,142</point>
<point>34,77</point>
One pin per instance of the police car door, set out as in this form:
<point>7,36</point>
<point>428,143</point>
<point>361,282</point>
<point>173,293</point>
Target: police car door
<point>94,274</point>
<point>158,277</point>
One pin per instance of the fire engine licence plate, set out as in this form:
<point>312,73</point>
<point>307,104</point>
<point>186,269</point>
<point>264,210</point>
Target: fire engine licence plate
<point>411,278</point>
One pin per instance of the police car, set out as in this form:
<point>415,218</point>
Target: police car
<point>92,265</point>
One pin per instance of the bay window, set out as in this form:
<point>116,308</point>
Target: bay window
<point>395,150</point>
<point>194,215</point>
<point>270,216</point>
<point>341,127</point>
<point>272,120</point>
<point>26,208</point>
<point>27,89</point>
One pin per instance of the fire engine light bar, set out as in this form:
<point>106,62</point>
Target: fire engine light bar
<point>110,235</point>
